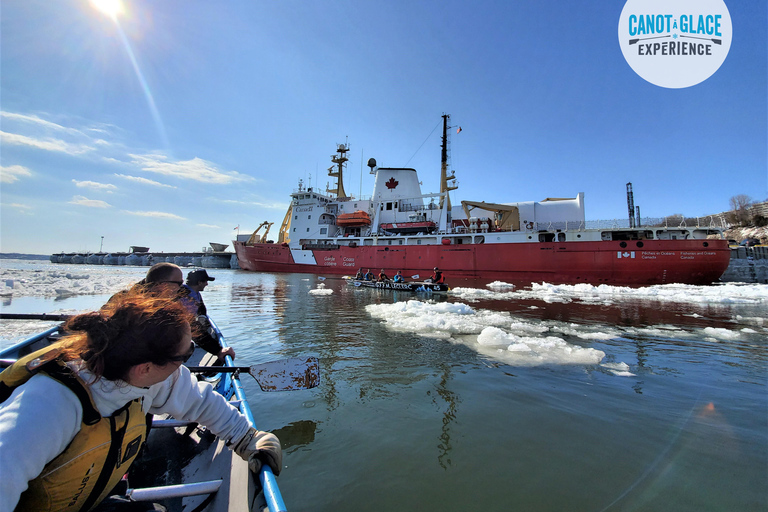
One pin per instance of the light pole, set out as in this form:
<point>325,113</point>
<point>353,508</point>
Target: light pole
<point>102,243</point>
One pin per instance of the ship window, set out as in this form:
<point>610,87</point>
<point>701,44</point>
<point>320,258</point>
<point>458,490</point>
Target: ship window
<point>309,216</point>
<point>400,242</point>
<point>307,230</point>
<point>389,206</point>
<point>295,217</point>
<point>294,230</point>
<point>323,231</point>
<point>418,242</point>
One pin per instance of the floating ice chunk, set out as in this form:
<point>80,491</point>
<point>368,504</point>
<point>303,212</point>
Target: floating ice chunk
<point>619,369</point>
<point>499,285</point>
<point>321,291</point>
<point>532,350</point>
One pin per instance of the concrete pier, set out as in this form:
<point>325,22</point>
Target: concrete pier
<point>147,259</point>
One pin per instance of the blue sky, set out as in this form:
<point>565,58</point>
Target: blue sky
<point>187,118</point>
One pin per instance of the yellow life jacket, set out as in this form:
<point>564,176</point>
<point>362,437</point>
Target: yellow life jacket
<point>96,459</point>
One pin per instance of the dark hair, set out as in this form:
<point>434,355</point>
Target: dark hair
<point>132,329</point>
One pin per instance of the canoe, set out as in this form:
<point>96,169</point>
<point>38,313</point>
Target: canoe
<point>413,286</point>
<point>182,466</point>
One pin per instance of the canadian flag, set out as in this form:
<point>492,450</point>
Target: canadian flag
<point>625,254</point>
<point>458,129</point>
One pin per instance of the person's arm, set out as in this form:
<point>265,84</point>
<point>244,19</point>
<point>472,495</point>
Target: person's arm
<point>37,422</point>
<point>182,396</point>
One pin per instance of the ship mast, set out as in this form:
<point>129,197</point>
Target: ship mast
<point>444,178</point>
<point>340,159</point>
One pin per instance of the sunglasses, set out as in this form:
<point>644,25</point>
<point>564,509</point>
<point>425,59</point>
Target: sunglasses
<point>184,357</point>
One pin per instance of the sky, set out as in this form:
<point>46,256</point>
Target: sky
<point>175,122</point>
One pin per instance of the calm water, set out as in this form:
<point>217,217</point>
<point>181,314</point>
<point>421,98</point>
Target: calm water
<point>403,421</point>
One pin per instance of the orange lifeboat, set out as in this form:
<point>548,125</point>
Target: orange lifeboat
<point>358,218</point>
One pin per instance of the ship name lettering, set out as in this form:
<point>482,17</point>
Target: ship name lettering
<point>330,258</point>
<point>667,253</point>
<point>346,258</point>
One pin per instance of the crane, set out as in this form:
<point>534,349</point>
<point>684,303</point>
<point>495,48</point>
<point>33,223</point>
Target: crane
<point>255,238</point>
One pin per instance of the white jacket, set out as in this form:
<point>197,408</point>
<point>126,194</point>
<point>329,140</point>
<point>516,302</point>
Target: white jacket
<point>42,416</point>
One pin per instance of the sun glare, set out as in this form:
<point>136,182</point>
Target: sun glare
<point>112,8</point>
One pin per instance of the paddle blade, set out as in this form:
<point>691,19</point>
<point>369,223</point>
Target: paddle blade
<point>287,374</point>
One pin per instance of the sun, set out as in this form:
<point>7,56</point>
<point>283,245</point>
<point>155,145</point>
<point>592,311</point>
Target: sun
<point>112,8</point>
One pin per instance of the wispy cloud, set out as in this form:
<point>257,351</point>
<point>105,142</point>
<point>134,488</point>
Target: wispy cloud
<point>13,173</point>
<point>47,144</point>
<point>143,181</point>
<point>91,203</point>
<point>259,204</point>
<point>161,215</point>
<point>22,208</point>
<point>95,185</point>
<point>32,119</point>
<point>208,226</point>
<point>196,169</point>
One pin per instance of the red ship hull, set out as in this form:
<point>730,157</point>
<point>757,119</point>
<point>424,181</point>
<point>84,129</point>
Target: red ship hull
<point>601,262</point>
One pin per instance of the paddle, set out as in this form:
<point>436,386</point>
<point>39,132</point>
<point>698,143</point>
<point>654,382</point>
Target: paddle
<point>282,375</point>
<point>34,316</point>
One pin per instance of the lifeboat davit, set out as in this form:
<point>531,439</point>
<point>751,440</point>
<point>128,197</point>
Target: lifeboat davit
<point>357,218</point>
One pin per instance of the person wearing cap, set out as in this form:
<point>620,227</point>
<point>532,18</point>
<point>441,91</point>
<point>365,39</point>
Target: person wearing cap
<point>190,296</point>
<point>197,280</point>
<point>437,276</point>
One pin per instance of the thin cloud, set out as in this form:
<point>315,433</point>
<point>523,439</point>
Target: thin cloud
<point>208,226</point>
<point>48,144</point>
<point>22,208</point>
<point>143,181</point>
<point>160,215</point>
<point>40,122</point>
<point>91,203</point>
<point>196,169</point>
<point>13,173</point>
<point>95,185</point>
<point>271,206</point>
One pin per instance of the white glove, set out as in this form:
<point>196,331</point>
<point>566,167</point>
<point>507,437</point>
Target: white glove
<point>259,447</point>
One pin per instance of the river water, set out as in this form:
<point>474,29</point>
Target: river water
<point>544,398</point>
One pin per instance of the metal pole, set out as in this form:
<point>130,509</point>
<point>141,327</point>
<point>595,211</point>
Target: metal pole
<point>102,243</point>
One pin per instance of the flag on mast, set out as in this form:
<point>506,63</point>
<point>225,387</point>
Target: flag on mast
<point>458,129</point>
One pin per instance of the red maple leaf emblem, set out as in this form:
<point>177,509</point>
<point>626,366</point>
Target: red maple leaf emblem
<point>392,183</point>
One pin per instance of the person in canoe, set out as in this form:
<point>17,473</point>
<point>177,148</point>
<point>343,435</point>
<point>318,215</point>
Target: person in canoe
<point>399,277</point>
<point>369,276</point>
<point>383,277</point>
<point>73,415</point>
<point>360,276</point>
<point>166,280</point>
<point>437,276</point>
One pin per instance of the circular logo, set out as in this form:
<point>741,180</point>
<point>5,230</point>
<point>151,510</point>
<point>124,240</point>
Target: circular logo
<point>675,43</point>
